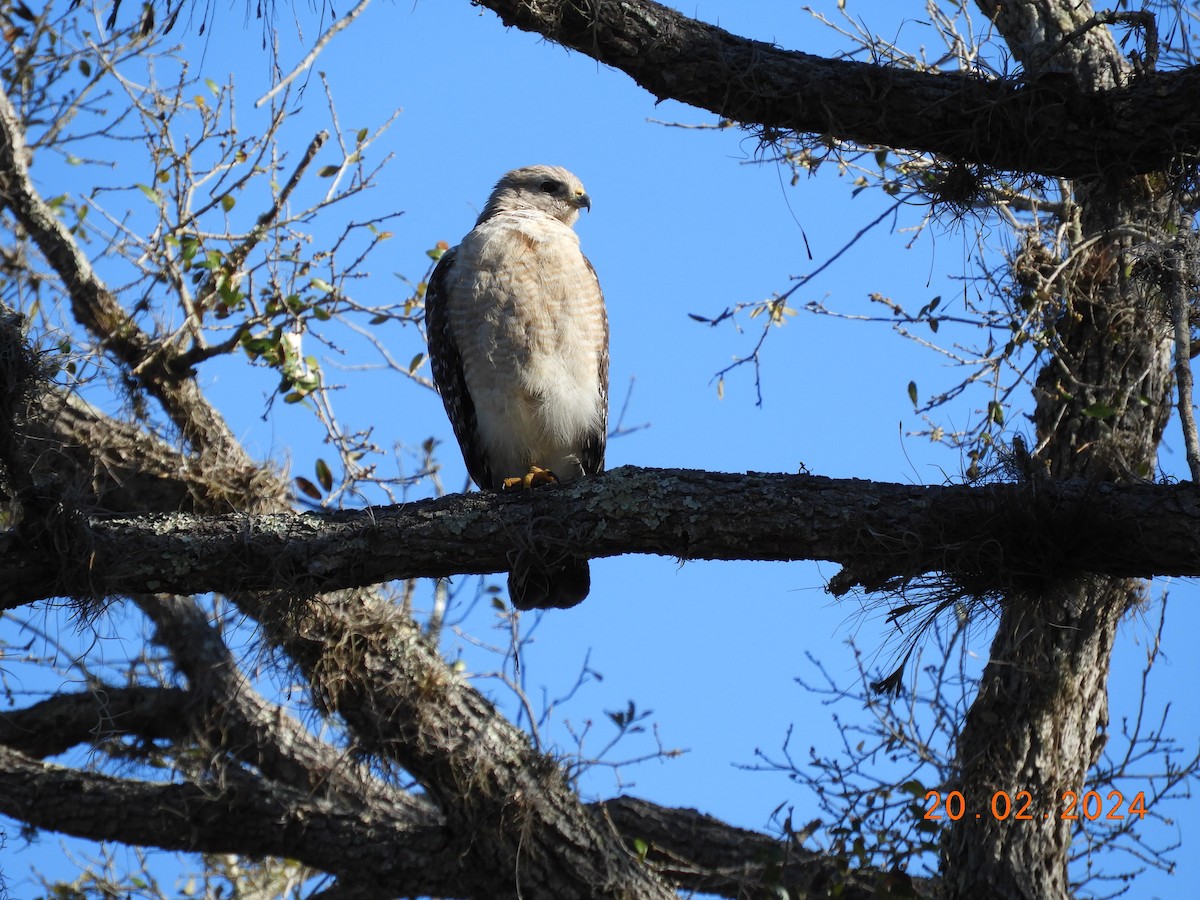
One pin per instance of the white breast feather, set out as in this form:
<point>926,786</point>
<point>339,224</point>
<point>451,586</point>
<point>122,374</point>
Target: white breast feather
<point>529,307</point>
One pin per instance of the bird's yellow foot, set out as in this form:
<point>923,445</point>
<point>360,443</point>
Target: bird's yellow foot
<point>535,476</point>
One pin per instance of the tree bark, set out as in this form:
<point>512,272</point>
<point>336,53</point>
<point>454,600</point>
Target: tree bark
<point>517,827</point>
<point>987,538</point>
<point>503,814</point>
<point>1051,127</point>
<point>1039,721</point>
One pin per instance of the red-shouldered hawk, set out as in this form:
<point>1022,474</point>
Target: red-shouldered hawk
<point>518,339</point>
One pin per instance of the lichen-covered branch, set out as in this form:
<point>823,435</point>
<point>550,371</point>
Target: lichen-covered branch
<point>239,814</point>
<point>883,533</point>
<point>1050,128</point>
<point>159,365</point>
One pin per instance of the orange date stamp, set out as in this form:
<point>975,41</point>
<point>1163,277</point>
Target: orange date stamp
<point>1020,807</point>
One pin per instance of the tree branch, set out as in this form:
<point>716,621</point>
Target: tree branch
<point>1047,128</point>
<point>158,365</point>
<point>700,853</point>
<point>883,533</point>
<point>1178,282</point>
<point>511,814</point>
<point>242,814</point>
<point>237,720</point>
<point>247,815</point>
<point>63,721</point>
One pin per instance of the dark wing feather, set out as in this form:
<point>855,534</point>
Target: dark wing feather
<point>448,376</point>
<point>591,455</point>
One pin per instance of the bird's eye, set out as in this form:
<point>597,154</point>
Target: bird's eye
<point>549,186</point>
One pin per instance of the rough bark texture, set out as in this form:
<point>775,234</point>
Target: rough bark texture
<point>514,827</point>
<point>491,816</point>
<point>989,538</point>
<point>1041,715</point>
<point>701,853</point>
<point>1051,127</point>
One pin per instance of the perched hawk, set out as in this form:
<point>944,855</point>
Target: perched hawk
<point>518,338</point>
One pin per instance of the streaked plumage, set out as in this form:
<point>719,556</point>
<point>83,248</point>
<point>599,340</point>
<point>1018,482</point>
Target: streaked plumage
<point>518,339</point>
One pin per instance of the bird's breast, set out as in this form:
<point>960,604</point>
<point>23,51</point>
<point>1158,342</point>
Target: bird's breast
<point>530,324</point>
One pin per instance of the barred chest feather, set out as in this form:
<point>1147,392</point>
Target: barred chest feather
<point>529,320</point>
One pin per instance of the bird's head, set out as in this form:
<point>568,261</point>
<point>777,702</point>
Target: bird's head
<point>551,189</point>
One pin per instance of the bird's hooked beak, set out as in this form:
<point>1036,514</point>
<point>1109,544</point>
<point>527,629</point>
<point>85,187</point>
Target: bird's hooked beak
<point>582,201</point>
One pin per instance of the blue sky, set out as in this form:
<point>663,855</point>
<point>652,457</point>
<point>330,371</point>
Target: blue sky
<point>684,221</point>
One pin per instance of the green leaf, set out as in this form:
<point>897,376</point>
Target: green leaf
<point>322,285</point>
<point>362,135</point>
<point>1099,411</point>
<point>641,848</point>
<point>227,202</point>
<point>213,86</point>
<point>324,475</point>
<point>328,171</point>
<point>912,392</point>
<point>996,412</point>
<point>913,787</point>
<point>151,193</point>
<point>212,260</point>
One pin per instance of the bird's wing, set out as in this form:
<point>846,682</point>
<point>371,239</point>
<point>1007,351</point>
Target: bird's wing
<point>448,374</point>
<point>592,453</point>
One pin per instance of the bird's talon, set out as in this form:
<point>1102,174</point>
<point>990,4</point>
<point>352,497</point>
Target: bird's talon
<point>535,476</point>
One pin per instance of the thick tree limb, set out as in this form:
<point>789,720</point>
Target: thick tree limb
<point>1047,128</point>
<point>1040,715</point>
<point>63,721</point>
<point>241,814</point>
<point>700,853</point>
<point>881,532</point>
<point>376,850</point>
<point>694,851</point>
<point>159,365</point>
<point>515,824</point>
<point>233,718</point>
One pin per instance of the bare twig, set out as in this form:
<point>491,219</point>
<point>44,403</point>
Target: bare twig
<point>312,54</point>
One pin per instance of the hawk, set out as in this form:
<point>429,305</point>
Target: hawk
<point>518,340</point>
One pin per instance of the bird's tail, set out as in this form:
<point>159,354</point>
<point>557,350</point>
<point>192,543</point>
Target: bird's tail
<point>537,586</point>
